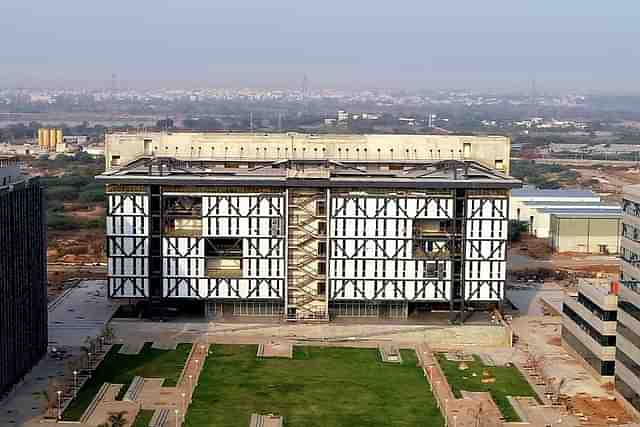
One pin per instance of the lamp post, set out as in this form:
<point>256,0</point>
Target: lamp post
<point>184,403</point>
<point>446,417</point>
<point>176,412</point>
<point>89,361</point>
<point>75,384</point>
<point>59,393</point>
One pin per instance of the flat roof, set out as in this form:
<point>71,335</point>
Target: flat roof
<point>602,286</point>
<point>585,213</point>
<point>317,173</point>
<point>571,203</point>
<point>315,134</point>
<point>535,192</point>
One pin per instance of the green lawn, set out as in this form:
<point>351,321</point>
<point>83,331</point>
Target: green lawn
<point>121,368</point>
<point>143,418</point>
<point>320,387</point>
<point>509,382</point>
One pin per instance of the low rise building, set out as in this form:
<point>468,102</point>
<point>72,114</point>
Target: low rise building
<point>22,150</point>
<point>593,231</point>
<point>589,326</point>
<point>572,220</point>
<point>95,150</point>
<point>527,204</point>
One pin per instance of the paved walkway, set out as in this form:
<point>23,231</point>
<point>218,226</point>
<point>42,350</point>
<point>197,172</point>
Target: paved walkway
<point>153,395</point>
<point>80,312</point>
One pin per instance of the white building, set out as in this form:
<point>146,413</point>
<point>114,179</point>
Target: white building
<point>307,237</point>
<point>535,206</point>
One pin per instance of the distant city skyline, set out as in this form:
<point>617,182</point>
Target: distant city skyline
<point>494,46</point>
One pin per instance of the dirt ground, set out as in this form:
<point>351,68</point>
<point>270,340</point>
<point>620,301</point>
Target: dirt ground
<point>600,412</point>
<point>96,212</point>
<point>76,246</point>
<point>608,179</point>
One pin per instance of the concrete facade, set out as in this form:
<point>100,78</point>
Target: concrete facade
<point>589,327</point>
<point>628,345</point>
<point>627,380</point>
<point>122,148</point>
<point>595,232</point>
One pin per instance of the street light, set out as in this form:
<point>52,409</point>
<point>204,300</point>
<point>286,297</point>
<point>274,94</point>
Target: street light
<point>89,361</point>
<point>184,403</point>
<point>446,417</point>
<point>75,384</point>
<point>455,421</point>
<point>59,393</point>
<point>176,412</point>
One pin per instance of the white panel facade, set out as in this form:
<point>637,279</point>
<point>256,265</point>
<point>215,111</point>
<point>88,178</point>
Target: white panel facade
<point>371,249</point>
<point>485,248</point>
<point>258,221</point>
<point>128,245</point>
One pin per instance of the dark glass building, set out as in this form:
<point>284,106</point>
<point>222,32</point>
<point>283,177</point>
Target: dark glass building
<point>23,294</point>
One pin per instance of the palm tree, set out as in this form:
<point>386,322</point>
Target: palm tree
<point>117,419</point>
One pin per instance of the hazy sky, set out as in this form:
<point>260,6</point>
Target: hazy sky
<point>484,44</point>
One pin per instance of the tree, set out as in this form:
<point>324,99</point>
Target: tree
<point>92,196</point>
<point>118,419</point>
<point>516,228</point>
<point>108,334</point>
<point>66,193</point>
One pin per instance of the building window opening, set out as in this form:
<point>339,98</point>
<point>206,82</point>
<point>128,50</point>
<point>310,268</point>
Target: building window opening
<point>224,257</point>
<point>430,248</point>
<point>183,216</point>
<point>322,288</point>
<point>466,150</point>
<point>432,269</point>
<point>322,228</point>
<point>430,227</point>
<point>322,267</point>
<point>322,248</point>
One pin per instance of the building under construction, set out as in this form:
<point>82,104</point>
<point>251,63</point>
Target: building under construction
<point>23,294</point>
<point>308,226</point>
